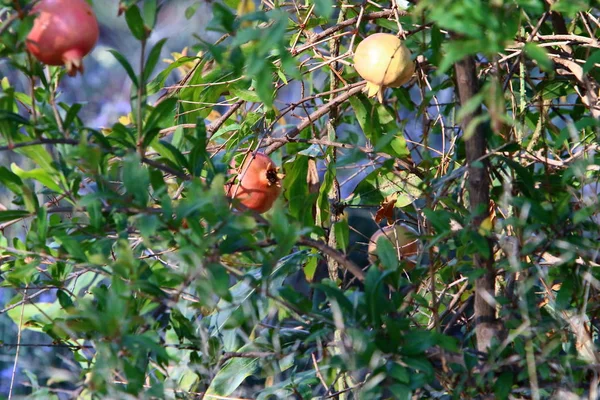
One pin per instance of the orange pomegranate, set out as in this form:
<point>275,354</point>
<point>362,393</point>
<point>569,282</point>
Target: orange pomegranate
<point>257,185</point>
<point>63,32</point>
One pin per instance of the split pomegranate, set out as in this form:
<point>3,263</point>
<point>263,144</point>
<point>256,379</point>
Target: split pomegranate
<point>383,61</point>
<point>402,237</point>
<point>258,183</point>
<point>63,32</point>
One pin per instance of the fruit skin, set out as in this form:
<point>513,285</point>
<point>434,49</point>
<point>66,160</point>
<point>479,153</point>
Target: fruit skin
<point>63,32</point>
<point>383,61</point>
<point>258,183</point>
<point>402,237</point>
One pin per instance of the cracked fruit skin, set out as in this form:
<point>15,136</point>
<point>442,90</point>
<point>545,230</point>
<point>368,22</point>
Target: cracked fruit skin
<point>383,61</point>
<point>258,183</point>
<point>404,240</point>
<point>64,31</point>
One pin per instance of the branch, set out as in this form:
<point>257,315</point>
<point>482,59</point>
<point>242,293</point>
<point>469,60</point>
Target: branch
<point>167,169</point>
<point>408,165</point>
<point>335,255</point>
<point>315,244</point>
<point>321,111</point>
<point>212,127</point>
<point>592,42</point>
<point>248,354</point>
<point>589,97</point>
<point>37,142</point>
<point>329,31</point>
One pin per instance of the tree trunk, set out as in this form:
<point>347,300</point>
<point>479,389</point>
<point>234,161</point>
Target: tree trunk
<point>486,324</point>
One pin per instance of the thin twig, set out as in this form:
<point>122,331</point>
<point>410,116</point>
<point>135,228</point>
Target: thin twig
<point>19,330</point>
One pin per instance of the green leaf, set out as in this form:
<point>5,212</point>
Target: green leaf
<point>366,116</point>
<point>10,215</point>
<point>382,183</point>
<point>456,51</point>
<point>125,64</point>
<point>36,315</point>
<point>153,58</point>
<point>64,299</point>
<point>11,180</point>
<point>150,13</point>
<point>264,84</point>
<point>594,58</point>
<point>39,175</point>
<point>158,82</point>
<point>247,95</point>
<point>387,253</point>
<point>42,224</point>
<point>310,268</point>
<point>565,293</point>
<point>136,179</point>
<point>401,392</point>
<point>539,54</point>
<point>323,199</point>
<point>163,113</point>
<point>324,8</point>
<point>469,108</point>
<point>219,281</point>
<point>40,155</point>
<point>171,153</point>
<point>222,19</point>
<point>235,371</point>
<point>191,10</point>
<point>198,156</point>
<point>503,385</point>
<point>398,372</point>
<point>135,22</point>
<point>12,117</point>
<point>72,114</point>
<point>374,295</point>
<point>342,234</point>
<point>333,293</point>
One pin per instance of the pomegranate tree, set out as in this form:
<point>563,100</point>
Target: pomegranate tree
<point>63,32</point>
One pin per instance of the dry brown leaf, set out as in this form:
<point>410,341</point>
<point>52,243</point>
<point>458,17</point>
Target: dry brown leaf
<point>386,210</point>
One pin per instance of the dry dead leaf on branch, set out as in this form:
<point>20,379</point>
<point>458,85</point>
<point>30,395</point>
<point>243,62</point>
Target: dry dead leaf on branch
<point>386,210</point>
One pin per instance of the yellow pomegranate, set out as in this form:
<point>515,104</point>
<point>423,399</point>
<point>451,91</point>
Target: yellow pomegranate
<point>403,238</point>
<point>383,61</point>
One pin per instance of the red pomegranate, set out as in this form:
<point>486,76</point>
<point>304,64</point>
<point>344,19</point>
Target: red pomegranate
<point>258,184</point>
<point>63,32</point>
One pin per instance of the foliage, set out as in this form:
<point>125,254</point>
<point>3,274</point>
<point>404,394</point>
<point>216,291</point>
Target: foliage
<point>161,290</point>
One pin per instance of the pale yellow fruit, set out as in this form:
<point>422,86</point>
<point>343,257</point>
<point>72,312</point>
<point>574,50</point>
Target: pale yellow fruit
<point>383,61</point>
<point>403,238</point>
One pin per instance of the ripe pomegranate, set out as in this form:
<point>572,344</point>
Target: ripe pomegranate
<point>63,32</point>
<point>402,237</point>
<point>383,61</point>
<point>258,184</point>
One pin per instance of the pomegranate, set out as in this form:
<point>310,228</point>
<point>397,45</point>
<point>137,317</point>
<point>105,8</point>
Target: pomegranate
<point>383,61</point>
<point>402,237</point>
<point>63,32</point>
<point>258,184</point>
